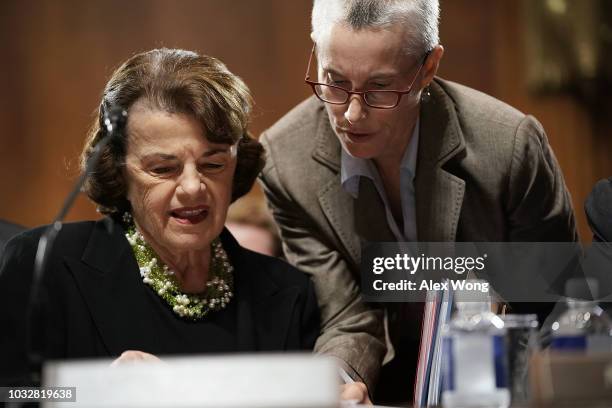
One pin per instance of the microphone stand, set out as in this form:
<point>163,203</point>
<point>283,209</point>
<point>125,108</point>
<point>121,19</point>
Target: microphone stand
<point>114,123</point>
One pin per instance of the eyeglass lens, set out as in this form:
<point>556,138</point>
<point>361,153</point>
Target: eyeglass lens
<point>340,96</point>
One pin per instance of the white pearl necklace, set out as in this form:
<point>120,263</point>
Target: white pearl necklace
<point>161,279</point>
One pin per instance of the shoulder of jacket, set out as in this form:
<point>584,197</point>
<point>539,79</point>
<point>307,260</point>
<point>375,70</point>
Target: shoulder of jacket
<point>472,104</point>
<point>69,230</point>
<point>302,119</point>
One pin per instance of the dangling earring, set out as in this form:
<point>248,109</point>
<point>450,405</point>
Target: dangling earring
<point>425,95</point>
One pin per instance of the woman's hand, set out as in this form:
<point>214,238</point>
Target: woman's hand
<point>356,393</point>
<point>134,355</point>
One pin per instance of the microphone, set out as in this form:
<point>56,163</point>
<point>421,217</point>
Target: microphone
<point>114,121</point>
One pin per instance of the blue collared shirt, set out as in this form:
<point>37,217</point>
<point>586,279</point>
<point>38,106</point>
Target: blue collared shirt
<point>353,168</point>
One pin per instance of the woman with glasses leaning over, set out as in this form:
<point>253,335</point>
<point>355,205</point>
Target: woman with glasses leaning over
<point>167,278</point>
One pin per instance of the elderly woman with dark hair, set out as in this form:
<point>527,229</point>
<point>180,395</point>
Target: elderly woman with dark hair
<point>168,278</point>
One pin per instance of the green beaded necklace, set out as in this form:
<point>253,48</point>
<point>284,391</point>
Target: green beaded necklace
<point>156,274</point>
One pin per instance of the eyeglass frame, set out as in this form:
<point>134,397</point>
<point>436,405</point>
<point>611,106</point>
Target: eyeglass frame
<point>362,94</point>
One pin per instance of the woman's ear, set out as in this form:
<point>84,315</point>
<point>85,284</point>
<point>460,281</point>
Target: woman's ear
<point>430,68</point>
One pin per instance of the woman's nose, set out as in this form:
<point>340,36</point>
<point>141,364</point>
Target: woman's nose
<point>191,181</point>
<point>355,110</point>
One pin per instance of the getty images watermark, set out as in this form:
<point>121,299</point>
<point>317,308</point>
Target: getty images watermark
<point>516,272</point>
<point>406,263</point>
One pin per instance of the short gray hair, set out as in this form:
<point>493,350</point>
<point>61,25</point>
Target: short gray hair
<point>419,18</point>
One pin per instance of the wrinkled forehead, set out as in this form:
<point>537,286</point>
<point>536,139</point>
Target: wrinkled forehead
<point>216,124</point>
<point>150,127</point>
<point>347,50</point>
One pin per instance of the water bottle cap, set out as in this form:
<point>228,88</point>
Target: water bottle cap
<point>478,296</point>
<point>471,302</point>
<point>472,307</point>
<point>520,321</point>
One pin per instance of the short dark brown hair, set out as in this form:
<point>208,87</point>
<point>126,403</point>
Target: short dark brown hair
<point>174,81</point>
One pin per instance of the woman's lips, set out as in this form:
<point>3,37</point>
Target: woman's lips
<point>358,137</point>
<point>189,215</point>
<point>354,134</point>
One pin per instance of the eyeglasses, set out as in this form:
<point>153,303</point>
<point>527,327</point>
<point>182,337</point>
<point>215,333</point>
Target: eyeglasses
<point>379,99</point>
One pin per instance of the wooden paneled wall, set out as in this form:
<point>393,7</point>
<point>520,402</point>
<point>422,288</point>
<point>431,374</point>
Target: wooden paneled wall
<point>57,56</point>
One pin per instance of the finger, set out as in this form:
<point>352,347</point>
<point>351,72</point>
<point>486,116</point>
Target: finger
<point>355,391</point>
<point>134,355</point>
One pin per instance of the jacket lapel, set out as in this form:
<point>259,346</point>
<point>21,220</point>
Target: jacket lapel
<point>264,311</point>
<point>336,204</point>
<point>439,194</point>
<point>109,280</point>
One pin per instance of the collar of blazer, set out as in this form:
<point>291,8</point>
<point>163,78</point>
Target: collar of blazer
<point>439,193</point>
<point>108,278</point>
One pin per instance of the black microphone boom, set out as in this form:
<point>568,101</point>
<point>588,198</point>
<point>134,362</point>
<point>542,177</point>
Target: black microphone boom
<point>114,122</point>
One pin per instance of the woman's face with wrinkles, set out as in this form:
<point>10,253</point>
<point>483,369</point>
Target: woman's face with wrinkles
<point>179,184</point>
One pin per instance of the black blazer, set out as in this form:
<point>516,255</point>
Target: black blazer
<point>91,313</point>
<point>7,231</point>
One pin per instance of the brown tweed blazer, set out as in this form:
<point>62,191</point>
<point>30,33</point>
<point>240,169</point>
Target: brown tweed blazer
<point>485,172</point>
